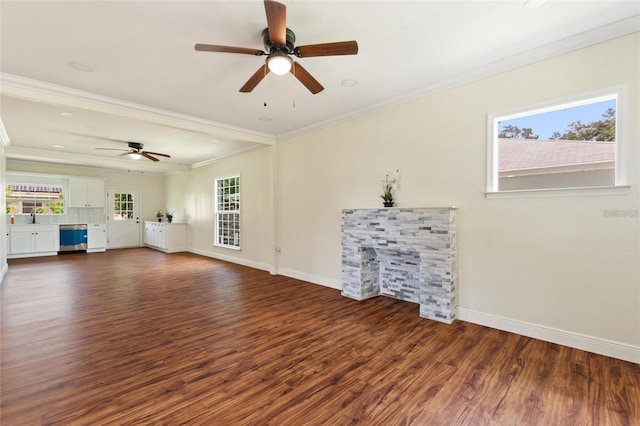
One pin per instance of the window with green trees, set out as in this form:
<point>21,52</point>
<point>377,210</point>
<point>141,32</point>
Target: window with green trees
<point>227,204</point>
<point>558,146</point>
<point>34,198</point>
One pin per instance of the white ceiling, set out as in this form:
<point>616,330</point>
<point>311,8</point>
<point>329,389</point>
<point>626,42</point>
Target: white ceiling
<point>148,84</point>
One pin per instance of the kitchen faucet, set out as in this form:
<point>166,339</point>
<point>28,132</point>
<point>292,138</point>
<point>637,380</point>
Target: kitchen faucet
<point>33,216</point>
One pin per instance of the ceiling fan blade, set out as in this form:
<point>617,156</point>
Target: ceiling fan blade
<point>306,78</point>
<point>276,21</point>
<point>255,79</point>
<point>112,149</point>
<point>157,153</point>
<point>327,49</point>
<point>146,155</point>
<point>228,49</point>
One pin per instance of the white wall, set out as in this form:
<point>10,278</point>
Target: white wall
<point>553,264</point>
<point>175,195</point>
<point>195,191</point>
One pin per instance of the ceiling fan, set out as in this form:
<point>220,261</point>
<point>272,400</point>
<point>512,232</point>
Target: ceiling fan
<point>136,152</point>
<point>279,43</point>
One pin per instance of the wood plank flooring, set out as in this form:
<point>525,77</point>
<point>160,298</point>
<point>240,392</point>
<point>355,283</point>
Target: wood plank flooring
<point>140,337</point>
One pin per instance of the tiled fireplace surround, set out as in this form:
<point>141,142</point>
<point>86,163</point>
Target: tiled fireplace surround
<point>405,253</point>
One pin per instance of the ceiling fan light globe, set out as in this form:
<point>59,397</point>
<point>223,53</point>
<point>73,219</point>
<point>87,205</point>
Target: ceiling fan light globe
<point>279,63</point>
<point>135,156</point>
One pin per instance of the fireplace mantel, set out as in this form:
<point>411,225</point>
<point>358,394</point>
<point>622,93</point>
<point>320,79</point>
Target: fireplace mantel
<point>406,253</point>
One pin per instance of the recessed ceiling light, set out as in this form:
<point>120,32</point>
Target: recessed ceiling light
<point>349,82</point>
<point>79,66</point>
<point>264,118</point>
<point>67,114</point>
<point>58,146</point>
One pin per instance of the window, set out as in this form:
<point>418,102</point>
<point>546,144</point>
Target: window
<point>123,206</point>
<point>563,145</point>
<point>227,201</point>
<point>34,198</point>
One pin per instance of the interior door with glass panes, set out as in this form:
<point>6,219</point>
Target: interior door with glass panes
<point>123,217</point>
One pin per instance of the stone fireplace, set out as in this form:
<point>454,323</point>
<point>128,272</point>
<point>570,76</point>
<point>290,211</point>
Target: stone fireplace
<point>405,253</point>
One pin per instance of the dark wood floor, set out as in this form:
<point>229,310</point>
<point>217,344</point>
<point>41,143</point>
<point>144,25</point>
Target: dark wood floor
<point>141,337</point>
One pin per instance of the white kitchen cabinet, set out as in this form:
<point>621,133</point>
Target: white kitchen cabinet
<point>96,237</point>
<point>154,234</point>
<point>86,192</point>
<point>33,240</point>
<point>167,237</point>
<point>21,241</point>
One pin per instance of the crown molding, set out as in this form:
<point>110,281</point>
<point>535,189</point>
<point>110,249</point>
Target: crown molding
<point>599,35</point>
<point>222,157</point>
<point>39,91</point>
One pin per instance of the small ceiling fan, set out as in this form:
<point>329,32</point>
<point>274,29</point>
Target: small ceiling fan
<point>279,43</point>
<point>135,151</point>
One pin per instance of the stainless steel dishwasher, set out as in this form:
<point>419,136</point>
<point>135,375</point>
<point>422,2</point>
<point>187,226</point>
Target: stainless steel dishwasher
<point>73,238</point>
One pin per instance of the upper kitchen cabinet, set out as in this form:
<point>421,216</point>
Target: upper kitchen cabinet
<point>86,192</point>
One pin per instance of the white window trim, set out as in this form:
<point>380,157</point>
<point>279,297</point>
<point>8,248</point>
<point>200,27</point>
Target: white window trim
<point>620,187</point>
<point>216,212</point>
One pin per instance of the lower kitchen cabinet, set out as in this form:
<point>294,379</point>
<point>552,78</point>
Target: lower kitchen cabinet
<point>33,240</point>
<point>96,237</point>
<point>167,237</point>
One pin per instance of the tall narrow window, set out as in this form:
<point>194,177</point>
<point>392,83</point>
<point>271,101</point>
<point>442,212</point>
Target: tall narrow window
<point>228,212</point>
<point>559,146</point>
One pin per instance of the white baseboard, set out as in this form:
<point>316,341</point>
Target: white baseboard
<point>314,279</point>
<point>291,273</point>
<point>24,255</point>
<point>233,259</point>
<point>596,345</point>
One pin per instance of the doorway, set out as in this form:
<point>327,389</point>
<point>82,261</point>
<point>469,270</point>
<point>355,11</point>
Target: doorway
<point>123,217</point>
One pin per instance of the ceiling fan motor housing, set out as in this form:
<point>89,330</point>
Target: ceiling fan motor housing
<point>136,145</point>
<point>271,47</point>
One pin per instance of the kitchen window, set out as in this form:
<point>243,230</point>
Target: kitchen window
<point>227,207</point>
<point>27,198</point>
